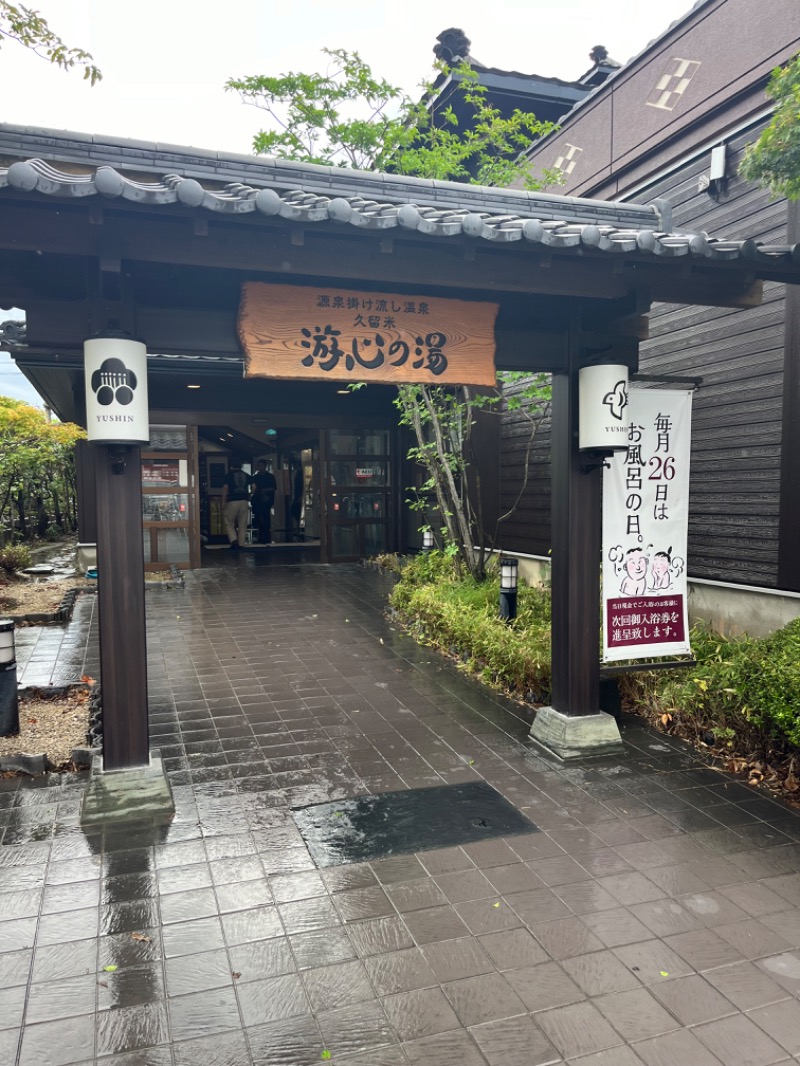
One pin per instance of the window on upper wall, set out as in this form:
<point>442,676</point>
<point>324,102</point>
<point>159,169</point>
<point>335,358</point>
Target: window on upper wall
<point>673,83</point>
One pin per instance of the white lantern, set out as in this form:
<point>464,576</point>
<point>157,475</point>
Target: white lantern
<point>508,574</point>
<point>117,411</point>
<point>603,407</point>
<point>8,653</point>
<point>427,540</point>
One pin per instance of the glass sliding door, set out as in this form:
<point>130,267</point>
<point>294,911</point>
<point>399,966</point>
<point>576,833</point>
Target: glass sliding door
<point>359,489</point>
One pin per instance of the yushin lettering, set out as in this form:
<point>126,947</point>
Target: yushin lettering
<point>114,418</point>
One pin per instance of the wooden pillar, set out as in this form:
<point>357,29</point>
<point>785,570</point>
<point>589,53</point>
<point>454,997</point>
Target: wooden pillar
<point>120,565</point>
<point>576,540</point>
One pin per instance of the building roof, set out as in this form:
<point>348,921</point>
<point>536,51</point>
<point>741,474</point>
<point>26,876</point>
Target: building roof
<point>157,176</point>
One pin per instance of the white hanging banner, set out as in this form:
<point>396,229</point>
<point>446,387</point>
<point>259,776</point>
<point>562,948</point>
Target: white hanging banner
<point>645,526</point>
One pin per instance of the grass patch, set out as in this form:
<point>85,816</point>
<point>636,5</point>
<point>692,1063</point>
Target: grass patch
<point>460,617</point>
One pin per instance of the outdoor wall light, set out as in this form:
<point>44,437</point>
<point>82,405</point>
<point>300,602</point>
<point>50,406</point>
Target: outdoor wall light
<point>603,407</point>
<point>9,698</point>
<point>509,577</point>
<point>427,540</point>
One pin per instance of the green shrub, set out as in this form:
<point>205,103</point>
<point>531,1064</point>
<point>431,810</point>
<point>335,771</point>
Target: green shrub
<point>745,691</point>
<point>741,687</point>
<point>14,557</point>
<point>460,617</point>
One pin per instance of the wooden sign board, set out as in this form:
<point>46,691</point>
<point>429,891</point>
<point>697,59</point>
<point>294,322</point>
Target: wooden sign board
<point>323,334</point>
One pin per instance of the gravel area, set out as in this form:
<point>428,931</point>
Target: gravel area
<point>20,597</point>
<point>52,727</point>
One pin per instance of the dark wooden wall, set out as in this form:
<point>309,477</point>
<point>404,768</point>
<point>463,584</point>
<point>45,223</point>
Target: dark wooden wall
<point>734,498</point>
<point>736,435</point>
<point>528,529</point>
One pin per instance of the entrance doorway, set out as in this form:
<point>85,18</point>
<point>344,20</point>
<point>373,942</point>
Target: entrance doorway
<point>336,489</point>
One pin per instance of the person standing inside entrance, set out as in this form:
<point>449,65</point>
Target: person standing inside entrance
<point>263,498</point>
<point>236,504</point>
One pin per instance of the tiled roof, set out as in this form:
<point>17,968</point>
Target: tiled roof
<point>308,194</point>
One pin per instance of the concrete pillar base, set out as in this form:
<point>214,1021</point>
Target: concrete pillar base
<point>578,737</point>
<point>142,793</point>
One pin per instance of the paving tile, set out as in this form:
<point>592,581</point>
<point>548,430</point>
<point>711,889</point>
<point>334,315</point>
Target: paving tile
<point>56,1044</point>
<point>360,903</point>
<point>544,986</point>
<point>293,1042</point>
<point>488,915</point>
<point>422,1012</point>
<point>272,999</point>
<point>738,1041</point>
<point>131,987</point>
<point>781,1021</point>
<point>258,923</point>
<point>12,1007</point>
<point>566,937</point>
<point>434,924</point>
<point>445,861</point>
<point>470,884</point>
<point>599,972</point>
<point>341,985</point>
<point>514,1042</point>
<point>131,1028</point>
<point>454,959</point>
<point>399,971</point>
<point>753,939</point>
<point>513,949</point>
<point>636,1014</point>
<point>618,1056</point>
<point>675,1049</point>
<point>379,936</point>
<point>746,986</point>
<point>652,961</point>
<point>785,969</point>
<point>577,1029</point>
<point>703,949</point>
<point>692,1000</point>
<point>205,970</point>
<point>482,999</point>
<point>223,1049</point>
<point>455,1048</point>
<point>616,927</point>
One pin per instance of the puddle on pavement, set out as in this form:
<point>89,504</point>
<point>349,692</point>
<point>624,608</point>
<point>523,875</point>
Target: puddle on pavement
<point>396,823</point>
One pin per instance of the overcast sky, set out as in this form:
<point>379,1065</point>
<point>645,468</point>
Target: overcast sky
<point>165,62</point>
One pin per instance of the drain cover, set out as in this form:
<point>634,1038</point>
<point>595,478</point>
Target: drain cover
<point>394,823</point>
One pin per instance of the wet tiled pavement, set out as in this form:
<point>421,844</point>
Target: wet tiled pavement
<point>50,656</point>
<point>653,920</point>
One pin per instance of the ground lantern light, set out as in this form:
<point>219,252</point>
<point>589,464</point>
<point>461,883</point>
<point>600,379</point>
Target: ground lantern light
<point>427,540</point>
<point>509,573</point>
<point>9,698</point>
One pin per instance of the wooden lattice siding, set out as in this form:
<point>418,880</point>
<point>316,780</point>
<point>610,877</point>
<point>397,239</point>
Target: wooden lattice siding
<point>736,437</point>
<point>528,529</point>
